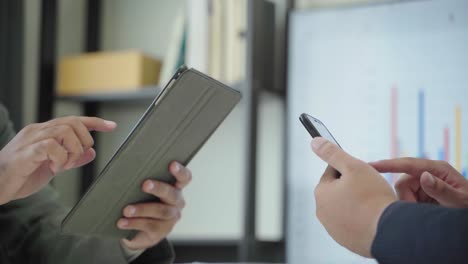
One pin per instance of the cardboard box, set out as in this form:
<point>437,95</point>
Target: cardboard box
<point>102,72</point>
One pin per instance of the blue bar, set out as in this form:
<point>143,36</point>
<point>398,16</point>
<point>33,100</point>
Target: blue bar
<point>441,154</point>
<point>389,178</point>
<point>464,172</point>
<point>421,124</point>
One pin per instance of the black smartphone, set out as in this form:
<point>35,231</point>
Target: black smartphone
<point>316,128</point>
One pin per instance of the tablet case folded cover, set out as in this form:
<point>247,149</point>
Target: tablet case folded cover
<point>175,127</point>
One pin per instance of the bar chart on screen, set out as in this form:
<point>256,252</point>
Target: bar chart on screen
<point>388,81</point>
<point>448,134</point>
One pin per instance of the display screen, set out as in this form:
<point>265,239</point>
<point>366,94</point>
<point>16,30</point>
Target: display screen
<point>390,81</point>
<point>319,127</point>
<point>323,131</point>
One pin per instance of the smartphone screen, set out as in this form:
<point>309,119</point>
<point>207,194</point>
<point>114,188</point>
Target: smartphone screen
<point>316,128</point>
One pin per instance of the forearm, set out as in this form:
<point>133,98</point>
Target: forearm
<point>421,233</point>
<point>32,234</point>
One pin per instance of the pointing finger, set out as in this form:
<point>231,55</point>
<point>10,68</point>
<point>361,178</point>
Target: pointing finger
<point>440,191</point>
<point>412,166</point>
<point>98,124</point>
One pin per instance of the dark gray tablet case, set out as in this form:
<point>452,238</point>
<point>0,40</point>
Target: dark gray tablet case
<point>175,127</point>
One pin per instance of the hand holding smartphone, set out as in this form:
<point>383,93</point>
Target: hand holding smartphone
<point>316,128</point>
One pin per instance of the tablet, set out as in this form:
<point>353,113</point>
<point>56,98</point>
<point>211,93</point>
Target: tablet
<point>174,127</point>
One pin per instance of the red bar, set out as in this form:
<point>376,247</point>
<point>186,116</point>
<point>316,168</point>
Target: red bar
<point>394,127</point>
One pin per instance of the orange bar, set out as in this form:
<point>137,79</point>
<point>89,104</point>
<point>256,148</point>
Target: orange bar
<point>446,144</point>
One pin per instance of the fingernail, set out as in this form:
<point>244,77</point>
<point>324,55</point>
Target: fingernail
<point>150,185</point>
<point>123,223</point>
<point>430,179</point>
<point>110,123</point>
<point>176,167</point>
<point>317,142</point>
<point>130,210</point>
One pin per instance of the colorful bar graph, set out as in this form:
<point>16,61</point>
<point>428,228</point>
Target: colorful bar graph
<point>443,151</point>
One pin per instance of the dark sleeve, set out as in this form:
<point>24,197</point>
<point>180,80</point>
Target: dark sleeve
<point>31,233</point>
<point>30,230</point>
<point>163,253</point>
<point>421,233</point>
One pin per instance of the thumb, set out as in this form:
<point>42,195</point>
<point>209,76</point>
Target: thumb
<point>439,190</point>
<point>332,154</point>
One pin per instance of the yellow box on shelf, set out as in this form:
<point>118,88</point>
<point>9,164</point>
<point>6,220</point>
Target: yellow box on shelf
<point>101,72</point>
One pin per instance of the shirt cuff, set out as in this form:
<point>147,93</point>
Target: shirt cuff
<point>131,254</point>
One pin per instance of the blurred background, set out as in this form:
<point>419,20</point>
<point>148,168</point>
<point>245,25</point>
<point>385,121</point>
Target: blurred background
<point>386,77</point>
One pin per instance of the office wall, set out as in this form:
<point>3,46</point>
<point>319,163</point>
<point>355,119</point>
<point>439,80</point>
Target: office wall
<point>31,37</point>
<point>322,3</point>
<point>143,24</point>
